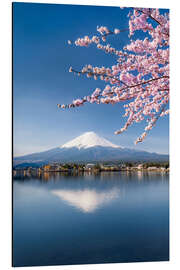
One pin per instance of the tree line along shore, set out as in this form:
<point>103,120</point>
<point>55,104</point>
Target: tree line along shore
<point>98,167</point>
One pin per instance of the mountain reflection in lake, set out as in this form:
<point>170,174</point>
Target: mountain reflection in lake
<point>62,218</point>
<point>86,200</point>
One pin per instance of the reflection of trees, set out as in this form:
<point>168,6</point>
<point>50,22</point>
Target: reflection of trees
<point>124,176</point>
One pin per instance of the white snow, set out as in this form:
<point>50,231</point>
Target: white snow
<point>87,140</point>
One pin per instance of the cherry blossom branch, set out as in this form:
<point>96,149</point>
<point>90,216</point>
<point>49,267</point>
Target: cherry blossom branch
<point>90,74</point>
<point>116,31</point>
<point>151,17</point>
<point>137,61</point>
<point>148,81</point>
<point>81,101</point>
<point>152,124</point>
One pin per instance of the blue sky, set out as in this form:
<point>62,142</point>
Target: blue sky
<point>41,60</point>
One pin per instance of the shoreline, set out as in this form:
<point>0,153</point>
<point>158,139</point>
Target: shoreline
<point>162,170</point>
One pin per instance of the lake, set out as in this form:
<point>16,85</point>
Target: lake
<point>62,218</point>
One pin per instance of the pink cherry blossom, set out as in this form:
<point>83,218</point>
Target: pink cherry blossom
<point>139,77</point>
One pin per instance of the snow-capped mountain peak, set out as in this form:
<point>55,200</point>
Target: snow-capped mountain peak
<point>87,140</point>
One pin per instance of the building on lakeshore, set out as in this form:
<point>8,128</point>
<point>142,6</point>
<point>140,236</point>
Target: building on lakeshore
<point>140,166</point>
<point>89,166</point>
<point>152,168</point>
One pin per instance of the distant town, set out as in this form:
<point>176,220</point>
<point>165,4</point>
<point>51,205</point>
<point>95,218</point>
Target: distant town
<point>94,167</point>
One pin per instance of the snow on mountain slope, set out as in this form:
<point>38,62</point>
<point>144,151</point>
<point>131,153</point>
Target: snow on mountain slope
<point>87,140</point>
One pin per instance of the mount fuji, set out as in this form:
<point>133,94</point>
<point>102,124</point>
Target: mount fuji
<point>89,147</point>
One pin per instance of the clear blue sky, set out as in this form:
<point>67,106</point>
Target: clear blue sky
<point>41,60</point>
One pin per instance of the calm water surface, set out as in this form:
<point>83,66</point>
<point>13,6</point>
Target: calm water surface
<point>81,219</point>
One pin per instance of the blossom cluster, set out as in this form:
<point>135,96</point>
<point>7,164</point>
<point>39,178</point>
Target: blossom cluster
<point>140,77</point>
